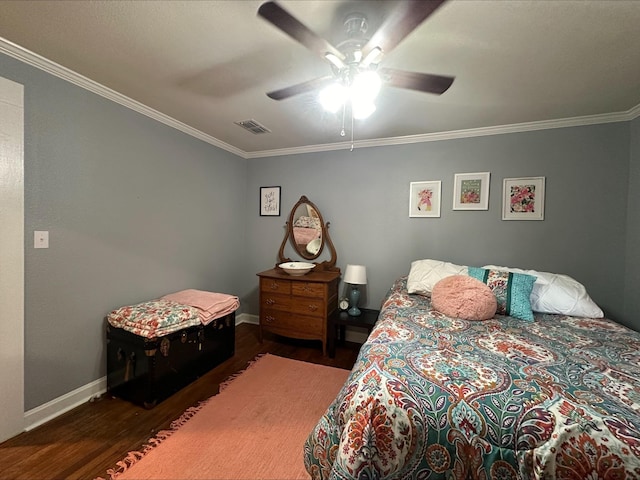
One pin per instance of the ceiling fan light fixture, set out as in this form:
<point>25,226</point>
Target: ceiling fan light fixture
<point>373,57</point>
<point>333,97</point>
<point>366,85</point>
<point>335,61</point>
<point>362,108</point>
<point>361,94</point>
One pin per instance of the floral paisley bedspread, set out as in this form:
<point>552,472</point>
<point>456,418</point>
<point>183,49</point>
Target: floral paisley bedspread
<point>431,397</point>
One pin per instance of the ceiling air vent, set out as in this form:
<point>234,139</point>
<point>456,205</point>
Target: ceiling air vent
<point>253,126</point>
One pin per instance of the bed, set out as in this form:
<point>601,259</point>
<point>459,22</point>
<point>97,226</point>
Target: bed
<point>433,397</point>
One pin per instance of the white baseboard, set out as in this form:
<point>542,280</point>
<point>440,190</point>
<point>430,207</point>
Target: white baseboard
<point>247,318</point>
<point>56,407</point>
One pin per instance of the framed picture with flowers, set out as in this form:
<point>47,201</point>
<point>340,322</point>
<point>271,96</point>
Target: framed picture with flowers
<point>523,198</point>
<point>424,198</point>
<point>471,191</point>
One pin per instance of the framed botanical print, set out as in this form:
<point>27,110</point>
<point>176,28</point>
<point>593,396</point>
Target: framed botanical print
<point>424,198</point>
<point>471,191</point>
<point>523,198</point>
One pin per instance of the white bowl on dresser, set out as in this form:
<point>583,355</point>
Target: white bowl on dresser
<point>297,269</point>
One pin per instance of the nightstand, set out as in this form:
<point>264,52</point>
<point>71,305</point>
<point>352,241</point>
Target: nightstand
<point>340,319</point>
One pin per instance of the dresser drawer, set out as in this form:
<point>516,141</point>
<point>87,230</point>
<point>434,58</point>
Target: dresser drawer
<point>308,306</point>
<point>274,318</point>
<point>308,289</point>
<point>275,285</point>
<point>275,301</point>
<point>291,323</point>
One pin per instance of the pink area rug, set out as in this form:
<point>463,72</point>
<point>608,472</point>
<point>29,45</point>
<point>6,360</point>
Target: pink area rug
<point>255,428</point>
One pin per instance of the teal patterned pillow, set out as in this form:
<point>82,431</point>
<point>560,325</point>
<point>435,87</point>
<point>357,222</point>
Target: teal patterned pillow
<point>512,290</point>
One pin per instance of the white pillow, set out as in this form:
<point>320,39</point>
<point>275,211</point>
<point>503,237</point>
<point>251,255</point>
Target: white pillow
<point>424,274</point>
<point>557,293</point>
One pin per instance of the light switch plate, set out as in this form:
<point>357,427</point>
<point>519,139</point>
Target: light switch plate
<point>40,239</point>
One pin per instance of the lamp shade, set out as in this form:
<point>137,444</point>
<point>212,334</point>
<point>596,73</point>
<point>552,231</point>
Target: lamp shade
<point>355,275</point>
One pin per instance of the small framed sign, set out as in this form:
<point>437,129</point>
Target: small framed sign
<point>269,201</point>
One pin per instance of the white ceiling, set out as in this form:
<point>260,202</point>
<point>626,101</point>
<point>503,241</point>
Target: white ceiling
<point>202,65</point>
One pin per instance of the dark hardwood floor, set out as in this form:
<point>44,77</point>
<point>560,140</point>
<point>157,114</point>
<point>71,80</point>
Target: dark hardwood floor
<point>86,441</point>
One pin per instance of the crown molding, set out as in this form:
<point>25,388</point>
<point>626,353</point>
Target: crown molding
<point>42,63</point>
<point>634,112</point>
<point>456,134</point>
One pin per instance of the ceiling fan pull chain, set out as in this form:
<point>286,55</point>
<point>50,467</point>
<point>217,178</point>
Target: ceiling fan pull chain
<point>342,133</point>
<point>352,127</point>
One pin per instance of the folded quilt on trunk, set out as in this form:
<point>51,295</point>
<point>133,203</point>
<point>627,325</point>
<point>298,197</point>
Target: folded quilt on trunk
<point>173,312</point>
<point>209,305</point>
<point>154,318</point>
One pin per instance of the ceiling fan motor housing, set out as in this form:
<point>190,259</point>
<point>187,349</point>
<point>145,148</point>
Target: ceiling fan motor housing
<point>356,27</point>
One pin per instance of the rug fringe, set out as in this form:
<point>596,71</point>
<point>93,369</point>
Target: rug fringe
<point>134,456</point>
<point>231,378</point>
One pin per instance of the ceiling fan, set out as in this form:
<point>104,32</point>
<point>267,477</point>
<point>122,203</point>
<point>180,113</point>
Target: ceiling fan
<point>358,56</point>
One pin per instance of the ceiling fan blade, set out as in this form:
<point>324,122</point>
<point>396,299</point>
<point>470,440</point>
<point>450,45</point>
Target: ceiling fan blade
<point>304,87</point>
<point>402,21</point>
<point>286,22</point>
<point>423,82</point>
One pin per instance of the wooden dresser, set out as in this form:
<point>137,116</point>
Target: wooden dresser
<point>298,307</point>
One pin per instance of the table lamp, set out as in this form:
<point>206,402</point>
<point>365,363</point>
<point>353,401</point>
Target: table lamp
<point>355,275</point>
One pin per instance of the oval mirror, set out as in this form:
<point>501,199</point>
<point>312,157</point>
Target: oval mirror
<point>308,233</point>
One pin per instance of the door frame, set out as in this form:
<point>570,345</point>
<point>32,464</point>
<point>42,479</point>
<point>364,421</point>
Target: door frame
<point>11,258</point>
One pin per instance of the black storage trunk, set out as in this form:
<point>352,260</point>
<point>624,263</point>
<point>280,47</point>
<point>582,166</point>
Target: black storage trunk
<point>146,371</point>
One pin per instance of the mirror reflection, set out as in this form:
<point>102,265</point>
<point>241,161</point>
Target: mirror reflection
<point>307,230</point>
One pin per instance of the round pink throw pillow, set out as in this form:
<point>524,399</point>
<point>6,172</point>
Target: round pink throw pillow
<point>461,296</point>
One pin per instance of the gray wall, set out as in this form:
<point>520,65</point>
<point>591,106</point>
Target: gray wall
<point>632,260</point>
<point>364,194</point>
<point>135,209</point>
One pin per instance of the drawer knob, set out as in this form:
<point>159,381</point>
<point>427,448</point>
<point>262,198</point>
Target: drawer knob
<point>269,319</point>
<point>313,308</point>
<point>274,285</point>
<point>269,301</point>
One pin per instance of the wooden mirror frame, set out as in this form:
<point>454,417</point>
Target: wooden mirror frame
<point>327,265</point>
